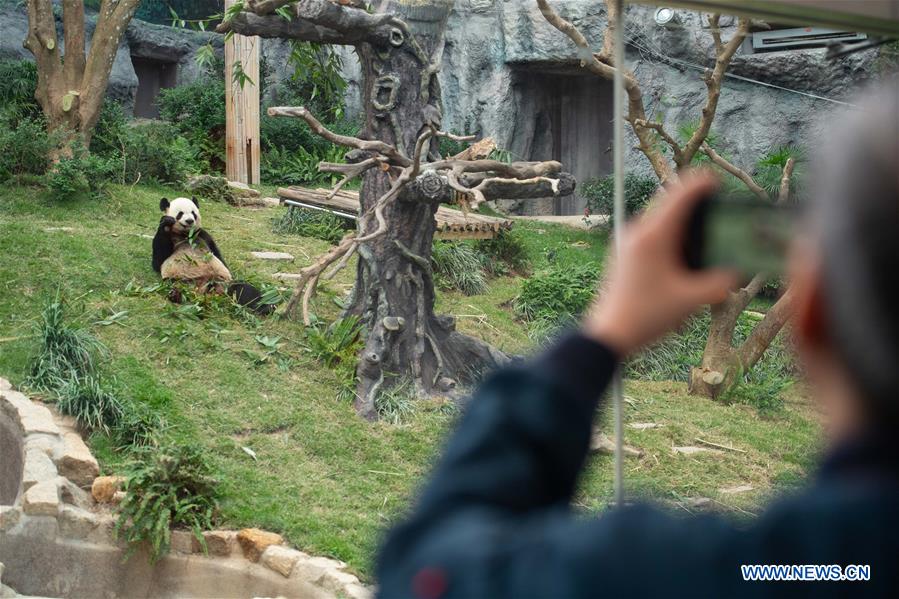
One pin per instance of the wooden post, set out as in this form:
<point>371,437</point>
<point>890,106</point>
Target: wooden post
<point>242,109</point>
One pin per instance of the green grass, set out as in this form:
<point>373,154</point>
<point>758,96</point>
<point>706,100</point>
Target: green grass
<point>326,479</point>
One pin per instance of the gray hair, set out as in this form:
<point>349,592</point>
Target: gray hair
<point>855,207</point>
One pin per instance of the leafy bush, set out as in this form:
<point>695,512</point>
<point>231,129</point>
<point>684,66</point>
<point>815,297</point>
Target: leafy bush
<point>317,81</point>
<point>79,174</point>
<point>397,403</point>
<point>18,80</point>
<point>111,127</point>
<point>300,166</point>
<point>503,253</point>
<point>600,193</point>
<point>166,487</point>
<point>311,223</point>
<point>557,295</point>
<point>25,147</point>
<point>197,110</point>
<point>155,152</point>
<point>458,266</point>
<point>65,351</point>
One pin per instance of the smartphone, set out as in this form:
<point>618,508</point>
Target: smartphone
<point>741,233</point>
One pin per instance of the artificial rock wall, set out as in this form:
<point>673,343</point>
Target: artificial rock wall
<point>506,71</point>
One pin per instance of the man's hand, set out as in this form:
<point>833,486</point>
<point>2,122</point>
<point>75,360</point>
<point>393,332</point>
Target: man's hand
<point>650,290</point>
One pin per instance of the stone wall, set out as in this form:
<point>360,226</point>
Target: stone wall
<point>57,520</point>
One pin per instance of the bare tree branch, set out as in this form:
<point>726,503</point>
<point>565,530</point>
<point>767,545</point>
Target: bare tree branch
<point>376,146</point>
<point>309,276</point>
<point>725,54</point>
<point>737,172</point>
<point>783,193</point>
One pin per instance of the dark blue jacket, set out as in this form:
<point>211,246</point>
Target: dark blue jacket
<point>494,521</point>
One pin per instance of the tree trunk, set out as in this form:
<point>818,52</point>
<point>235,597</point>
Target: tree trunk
<point>394,289</point>
<point>720,365</point>
<point>71,86</point>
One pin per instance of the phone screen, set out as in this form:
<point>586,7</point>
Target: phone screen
<point>745,234</point>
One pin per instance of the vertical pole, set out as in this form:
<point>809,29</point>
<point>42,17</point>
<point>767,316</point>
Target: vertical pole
<point>242,109</point>
<point>618,160</point>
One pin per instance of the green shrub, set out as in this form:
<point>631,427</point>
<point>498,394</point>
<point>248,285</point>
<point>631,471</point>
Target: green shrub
<point>25,147</point>
<point>396,404</point>
<point>504,253</point>
<point>18,81</point>
<point>197,110</point>
<point>78,174</point>
<point>558,294</point>
<point>155,152</point>
<point>311,223</point>
<point>65,351</point>
<point>458,266</point>
<point>300,166</point>
<point>600,193</point>
<point>166,487</point>
<point>109,131</point>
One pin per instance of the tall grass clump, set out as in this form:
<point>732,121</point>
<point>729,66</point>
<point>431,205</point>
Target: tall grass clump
<point>458,266</point>
<point>65,351</point>
<point>555,298</point>
<point>311,223</point>
<point>92,404</point>
<point>396,404</point>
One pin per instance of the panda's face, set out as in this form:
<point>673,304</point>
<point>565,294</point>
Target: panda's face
<point>185,211</point>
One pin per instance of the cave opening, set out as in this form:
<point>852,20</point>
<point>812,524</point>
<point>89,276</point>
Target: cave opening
<point>152,76</point>
<point>563,116</point>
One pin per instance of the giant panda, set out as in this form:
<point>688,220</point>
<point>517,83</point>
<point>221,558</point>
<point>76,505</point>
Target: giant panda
<point>184,251</point>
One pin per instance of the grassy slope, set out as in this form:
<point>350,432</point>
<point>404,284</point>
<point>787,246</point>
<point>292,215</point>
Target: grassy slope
<point>326,479</point>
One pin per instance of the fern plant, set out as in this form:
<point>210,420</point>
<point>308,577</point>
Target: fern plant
<point>165,488</point>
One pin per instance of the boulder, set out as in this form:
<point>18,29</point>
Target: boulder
<point>242,190</point>
<point>184,541</point>
<point>76,462</point>
<point>42,499</point>
<point>313,569</point>
<point>38,468</point>
<point>5,385</point>
<point>254,542</point>
<point>336,580</point>
<point>104,488</point>
<point>281,559</point>
<point>76,523</point>
<point>220,542</point>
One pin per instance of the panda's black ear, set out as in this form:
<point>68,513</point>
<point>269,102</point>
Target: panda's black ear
<point>195,201</point>
<point>164,204</point>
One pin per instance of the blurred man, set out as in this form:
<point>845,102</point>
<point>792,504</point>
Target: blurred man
<point>494,520</point>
